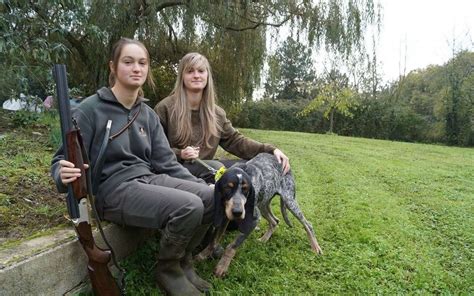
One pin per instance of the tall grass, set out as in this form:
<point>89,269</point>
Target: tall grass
<point>391,217</point>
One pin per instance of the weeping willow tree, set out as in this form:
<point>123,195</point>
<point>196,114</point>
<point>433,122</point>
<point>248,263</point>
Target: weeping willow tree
<point>232,34</point>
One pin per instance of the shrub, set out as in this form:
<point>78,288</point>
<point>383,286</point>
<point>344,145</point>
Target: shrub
<point>24,118</point>
<point>278,115</point>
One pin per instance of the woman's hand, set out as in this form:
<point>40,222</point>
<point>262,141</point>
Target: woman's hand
<point>283,159</point>
<point>68,172</point>
<point>190,152</point>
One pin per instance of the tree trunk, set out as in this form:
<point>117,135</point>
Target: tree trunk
<point>331,121</point>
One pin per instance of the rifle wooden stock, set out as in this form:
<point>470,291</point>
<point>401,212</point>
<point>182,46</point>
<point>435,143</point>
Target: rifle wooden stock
<point>102,280</point>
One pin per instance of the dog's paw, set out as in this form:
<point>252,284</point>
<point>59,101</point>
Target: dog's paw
<point>315,246</point>
<point>199,257</point>
<point>224,262</point>
<point>318,250</point>
<point>204,254</point>
<point>220,271</point>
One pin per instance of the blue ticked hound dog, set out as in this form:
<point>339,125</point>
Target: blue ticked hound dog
<point>243,192</point>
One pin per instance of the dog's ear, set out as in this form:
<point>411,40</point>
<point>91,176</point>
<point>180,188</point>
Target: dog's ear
<point>219,213</point>
<point>253,197</point>
<point>251,213</point>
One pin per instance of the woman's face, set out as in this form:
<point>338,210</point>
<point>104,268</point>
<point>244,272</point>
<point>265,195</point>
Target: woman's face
<point>132,68</point>
<point>195,78</point>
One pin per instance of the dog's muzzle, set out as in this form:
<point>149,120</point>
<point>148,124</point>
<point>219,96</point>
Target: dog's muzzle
<point>236,207</point>
<point>237,211</point>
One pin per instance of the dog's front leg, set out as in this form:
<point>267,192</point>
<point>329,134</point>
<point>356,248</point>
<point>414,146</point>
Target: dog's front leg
<point>224,262</point>
<point>229,254</point>
<point>217,236</point>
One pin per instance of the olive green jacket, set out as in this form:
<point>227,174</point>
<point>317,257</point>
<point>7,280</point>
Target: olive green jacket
<point>230,139</point>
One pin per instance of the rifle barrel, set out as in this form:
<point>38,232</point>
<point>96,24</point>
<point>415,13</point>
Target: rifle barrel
<point>64,107</point>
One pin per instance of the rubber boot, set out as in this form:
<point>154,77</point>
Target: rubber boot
<point>169,274</point>
<point>187,261</point>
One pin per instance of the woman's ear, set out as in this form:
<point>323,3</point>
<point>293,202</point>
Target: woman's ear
<point>111,67</point>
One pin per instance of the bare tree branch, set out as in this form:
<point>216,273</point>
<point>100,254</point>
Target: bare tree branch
<point>170,4</point>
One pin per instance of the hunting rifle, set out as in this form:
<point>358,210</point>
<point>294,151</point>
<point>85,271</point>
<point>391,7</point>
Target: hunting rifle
<point>80,192</point>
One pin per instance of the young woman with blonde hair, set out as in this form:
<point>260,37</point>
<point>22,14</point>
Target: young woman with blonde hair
<point>196,126</point>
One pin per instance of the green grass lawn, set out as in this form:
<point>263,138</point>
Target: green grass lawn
<point>391,218</point>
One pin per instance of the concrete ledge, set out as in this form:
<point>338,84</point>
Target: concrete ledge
<point>57,264</point>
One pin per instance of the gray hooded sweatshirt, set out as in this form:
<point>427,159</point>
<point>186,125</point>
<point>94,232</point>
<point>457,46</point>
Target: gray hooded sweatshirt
<point>141,150</point>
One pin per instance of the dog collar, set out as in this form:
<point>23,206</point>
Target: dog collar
<point>219,173</point>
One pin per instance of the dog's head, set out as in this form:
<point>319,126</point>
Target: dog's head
<point>234,197</point>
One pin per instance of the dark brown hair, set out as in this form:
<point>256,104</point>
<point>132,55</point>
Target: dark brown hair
<point>115,56</point>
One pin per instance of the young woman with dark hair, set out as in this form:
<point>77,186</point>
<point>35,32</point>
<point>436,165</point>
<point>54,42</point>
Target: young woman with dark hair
<point>141,183</point>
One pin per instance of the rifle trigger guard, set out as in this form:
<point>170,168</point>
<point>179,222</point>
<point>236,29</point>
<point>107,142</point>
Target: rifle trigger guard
<point>83,212</point>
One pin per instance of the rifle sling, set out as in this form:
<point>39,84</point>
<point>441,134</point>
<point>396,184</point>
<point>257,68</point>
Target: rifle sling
<point>100,159</point>
<point>124,128</point>
<point>97,171</point>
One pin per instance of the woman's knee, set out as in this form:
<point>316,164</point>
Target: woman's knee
<point>200,205</point>
<point>191,207</point>
<point>187,216</point>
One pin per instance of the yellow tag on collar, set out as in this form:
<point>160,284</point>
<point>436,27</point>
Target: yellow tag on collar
<point>219,173</point>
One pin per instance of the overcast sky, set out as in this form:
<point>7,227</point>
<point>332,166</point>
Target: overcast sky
<point>422,31</point>
<point>414,34</point>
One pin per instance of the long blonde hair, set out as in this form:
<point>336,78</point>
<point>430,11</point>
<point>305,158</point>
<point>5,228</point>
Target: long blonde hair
<point>181,114</point>
<point>115,56</point>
